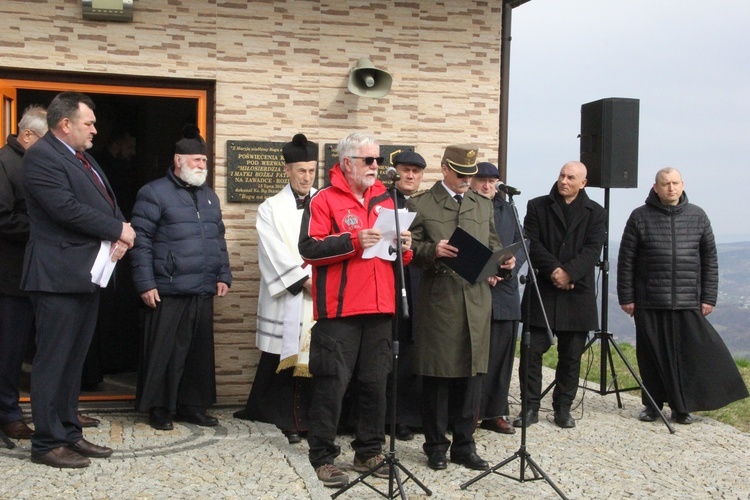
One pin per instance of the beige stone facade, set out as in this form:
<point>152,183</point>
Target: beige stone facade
<point>281,67</point>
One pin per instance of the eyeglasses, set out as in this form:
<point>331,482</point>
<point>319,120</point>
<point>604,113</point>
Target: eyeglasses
<point>462,176</point>
<point>369,159</point>
<point>37,135</point>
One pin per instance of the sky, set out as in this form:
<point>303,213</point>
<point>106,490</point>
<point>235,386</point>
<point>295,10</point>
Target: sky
<point>688,63</point>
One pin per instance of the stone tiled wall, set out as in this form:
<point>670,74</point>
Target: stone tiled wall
<point>282,67</point>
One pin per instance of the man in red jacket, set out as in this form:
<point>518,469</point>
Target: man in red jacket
<point>354,301</point>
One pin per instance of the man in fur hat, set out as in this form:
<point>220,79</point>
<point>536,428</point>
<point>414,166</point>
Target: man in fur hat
<point>179,265</point>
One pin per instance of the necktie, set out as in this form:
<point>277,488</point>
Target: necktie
<point>97,179</point>
<point>458,198</point>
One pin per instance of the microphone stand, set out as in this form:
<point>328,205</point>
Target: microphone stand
<point>6,441</point>
<point>390,460</point>
<point>522,454</point>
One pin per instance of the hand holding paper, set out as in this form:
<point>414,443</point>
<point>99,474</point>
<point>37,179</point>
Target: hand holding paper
<point>386,225</point>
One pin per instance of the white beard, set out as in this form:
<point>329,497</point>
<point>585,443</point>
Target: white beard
<point>193,177</point>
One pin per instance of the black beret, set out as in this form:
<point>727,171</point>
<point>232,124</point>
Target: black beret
<point>191,143</point>
<point>299,150</point>
<point>487,169</point>
<point>409,158</point>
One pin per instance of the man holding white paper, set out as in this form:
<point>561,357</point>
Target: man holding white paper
<point>354,300</point>
<point>72,210</point>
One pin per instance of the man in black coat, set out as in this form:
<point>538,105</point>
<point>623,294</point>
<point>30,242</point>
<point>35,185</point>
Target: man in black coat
<point>16,312</point>
<point>73,214</point>
<point>668,280</point>
<point>506,310</point>
<point>566,230</point>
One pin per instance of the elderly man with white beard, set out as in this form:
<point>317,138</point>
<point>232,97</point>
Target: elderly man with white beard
<point>180,264</point>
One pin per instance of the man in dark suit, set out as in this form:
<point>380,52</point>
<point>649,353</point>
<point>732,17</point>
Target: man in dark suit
<point>72,212</point>
<point>566,230</point>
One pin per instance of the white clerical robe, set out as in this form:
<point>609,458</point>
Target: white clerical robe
<point>284,320</point>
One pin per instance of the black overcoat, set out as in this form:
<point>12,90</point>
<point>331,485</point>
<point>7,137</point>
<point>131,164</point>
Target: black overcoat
<point>576,248</point>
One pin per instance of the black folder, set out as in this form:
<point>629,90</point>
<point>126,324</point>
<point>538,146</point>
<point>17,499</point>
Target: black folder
<point>475,262</point>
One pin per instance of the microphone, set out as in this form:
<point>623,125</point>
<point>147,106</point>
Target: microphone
<point>510,190</point>
<point>392,174</point>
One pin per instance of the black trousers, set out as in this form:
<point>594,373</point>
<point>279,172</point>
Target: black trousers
<point>359,347</point>
<point>178,366</point>
<point>454,397</point>
<point>496,383</point>
<point>570,346</point>
<point>16,327</point>
<point>65,324</point>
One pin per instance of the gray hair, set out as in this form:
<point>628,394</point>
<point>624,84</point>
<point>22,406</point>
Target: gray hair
<point>666,170</point>
<point>35,119</point>
<point>352,143</point>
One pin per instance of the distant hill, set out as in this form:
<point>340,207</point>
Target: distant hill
<point>731,317</point>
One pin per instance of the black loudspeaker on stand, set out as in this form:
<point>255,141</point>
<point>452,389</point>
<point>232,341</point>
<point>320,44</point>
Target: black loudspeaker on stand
<point>395,484</point>
<point>609,149</point>
<point>522,454</point>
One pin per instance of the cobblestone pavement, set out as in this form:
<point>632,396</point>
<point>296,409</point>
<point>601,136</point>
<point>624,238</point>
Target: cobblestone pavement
<point>610,454</point>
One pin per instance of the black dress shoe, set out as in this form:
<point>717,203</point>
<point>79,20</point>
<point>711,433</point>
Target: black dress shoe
<point>160,420</point>
<point>472,461</point>
<point>197,418</point>
<point>682,418</point>
<point>436,460</point>
<point>648,414</point>
<point>63,458</point>
<point>17,430</point>
<point>564,420</point>
<point>293,437</point>
<point>91,450</point>
<point>532,417</point>
<point>403,433</point>
<point>87,421</point>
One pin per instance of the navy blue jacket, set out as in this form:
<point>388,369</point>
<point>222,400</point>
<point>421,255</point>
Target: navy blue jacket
<point>506,303</point>
<point>179,246</point>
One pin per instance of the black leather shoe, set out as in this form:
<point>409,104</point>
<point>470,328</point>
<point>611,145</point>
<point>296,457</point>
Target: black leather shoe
<point>436,460</point>
<point>91,450</point>
<point>564,420</point>
<point>17,430</point>
<point>403,433</point>
<point>292,436</point>
<point>472,461</point>
<point>197,418</point>
<point>63,458</point>
<point>682,418</point>
<point>648,414</point>
<point>87,421</point>
<point>160,420</point>
<point>532,417</point>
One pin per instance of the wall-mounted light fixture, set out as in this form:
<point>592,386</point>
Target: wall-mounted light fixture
<point>108,10</point>
<point>365,80</point>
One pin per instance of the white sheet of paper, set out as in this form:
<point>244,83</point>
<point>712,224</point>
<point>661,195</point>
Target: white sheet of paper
<point>386,224</point>
<point>103,266</point>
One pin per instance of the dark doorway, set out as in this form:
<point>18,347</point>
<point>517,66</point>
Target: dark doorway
<point>150,124</point>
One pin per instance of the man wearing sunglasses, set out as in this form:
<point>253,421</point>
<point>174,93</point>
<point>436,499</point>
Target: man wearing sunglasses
<point>354,300</point>
<point>452,315</point>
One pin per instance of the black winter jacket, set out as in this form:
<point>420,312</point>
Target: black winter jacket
<point>14,219</point>
<point>179,246</point>
<point>668,257</point>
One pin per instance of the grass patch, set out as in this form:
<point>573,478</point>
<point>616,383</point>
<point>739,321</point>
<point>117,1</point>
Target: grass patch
<point>736,414</point>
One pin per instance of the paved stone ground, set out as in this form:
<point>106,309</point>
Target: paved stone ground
<point>610,454</point>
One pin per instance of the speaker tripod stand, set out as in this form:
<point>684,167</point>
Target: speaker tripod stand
<point>6,441</point>
<point>390,461</point>
<point>606,339</point>
<point>526,462</point>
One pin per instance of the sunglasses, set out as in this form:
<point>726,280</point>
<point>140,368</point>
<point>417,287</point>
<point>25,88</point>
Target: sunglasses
<point>369,159</point>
